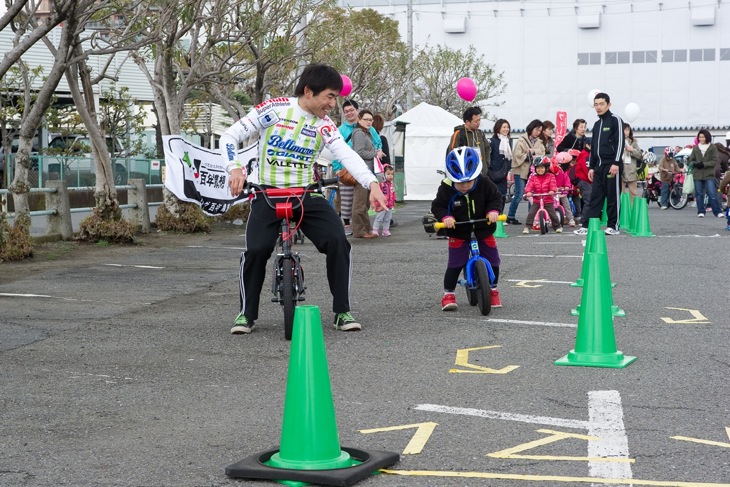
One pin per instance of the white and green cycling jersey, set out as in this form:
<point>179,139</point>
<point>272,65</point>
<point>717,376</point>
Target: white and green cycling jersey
<point>289,140</point>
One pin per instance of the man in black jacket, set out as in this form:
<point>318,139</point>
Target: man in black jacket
<point>605,166</point>
<point>469,135</point>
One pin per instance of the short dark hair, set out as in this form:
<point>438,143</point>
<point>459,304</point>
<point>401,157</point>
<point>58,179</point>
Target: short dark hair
<point>318,77</point>
<point>706,133</point>
<point>378,122</point>
<point>470,112</point>
<point>602,95</point>
<point>577,123</point>
<point>532,126</point>
<point>498,125</point>
<point>361,114</point>
<point>351,103</point>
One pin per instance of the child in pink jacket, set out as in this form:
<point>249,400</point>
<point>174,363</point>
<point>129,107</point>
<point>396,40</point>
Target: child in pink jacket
<point>385,215</point>
<point>542,183</point>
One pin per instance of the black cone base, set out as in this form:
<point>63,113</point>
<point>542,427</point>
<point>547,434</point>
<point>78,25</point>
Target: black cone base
<point>253,467</point>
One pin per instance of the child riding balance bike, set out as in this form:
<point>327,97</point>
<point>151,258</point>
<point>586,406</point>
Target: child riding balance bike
<point>541,189</point>
<point>462,196</point>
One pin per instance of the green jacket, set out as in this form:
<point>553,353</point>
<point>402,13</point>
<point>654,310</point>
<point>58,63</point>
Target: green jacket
<point>709,160</point>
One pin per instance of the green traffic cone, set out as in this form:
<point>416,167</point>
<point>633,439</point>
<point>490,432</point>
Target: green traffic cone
<point>642,227</point>
<point>635,213</point>
<point>595,342</point>
<point>625,213</point>
<point>604,213</point>
<point>593,227</point>
<point>309,439</point>
<point>499,232</point>
<point>598,246</point>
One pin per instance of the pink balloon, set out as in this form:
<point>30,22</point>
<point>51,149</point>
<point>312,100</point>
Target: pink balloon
<point>466,89</point>
<point>346,85</point>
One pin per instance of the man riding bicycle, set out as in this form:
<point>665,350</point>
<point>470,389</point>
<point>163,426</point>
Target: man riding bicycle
<point>291,134</point>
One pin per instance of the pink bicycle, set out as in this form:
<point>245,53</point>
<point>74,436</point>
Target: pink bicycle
<point>542,217</point>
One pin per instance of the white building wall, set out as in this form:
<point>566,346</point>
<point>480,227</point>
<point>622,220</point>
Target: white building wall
<point>537,45</point>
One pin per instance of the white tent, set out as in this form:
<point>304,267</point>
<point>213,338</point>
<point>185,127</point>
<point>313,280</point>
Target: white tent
<point>428,133</point>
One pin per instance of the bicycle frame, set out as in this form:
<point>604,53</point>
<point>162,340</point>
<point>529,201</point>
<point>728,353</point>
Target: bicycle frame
<point>542,211</point>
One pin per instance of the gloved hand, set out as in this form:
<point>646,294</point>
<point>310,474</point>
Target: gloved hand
<point>699,165</point>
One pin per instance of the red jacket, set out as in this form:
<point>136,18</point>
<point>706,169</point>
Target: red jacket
<point>540,185</point>
<point>581,168</point>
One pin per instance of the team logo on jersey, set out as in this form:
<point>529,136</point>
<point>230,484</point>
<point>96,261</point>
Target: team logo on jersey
<point>328,133</point>
<point>309,133</point>
<point>285,126</point>
<point>274,102</point>
<point>268,119</point>
<point>245,123</point>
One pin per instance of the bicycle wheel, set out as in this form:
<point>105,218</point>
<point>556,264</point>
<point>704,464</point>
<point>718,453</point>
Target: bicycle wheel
<point>677,200</point>
<point>543,223</point>
<point>471,294</point>
<point>561,215</point>
<point>288,298</point>
<point>483,287</point>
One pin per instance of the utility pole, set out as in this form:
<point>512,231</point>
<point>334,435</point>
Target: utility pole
<point>409,87</point>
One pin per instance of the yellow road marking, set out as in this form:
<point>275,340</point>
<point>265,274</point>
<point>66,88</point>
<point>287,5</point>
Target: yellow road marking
<point>462,360</point>
<point>698,317</point>
<point>704,442</point>
<point>525,283</point>
<point>555,436</point>
<point>420,437</point>
<point>548,478</point>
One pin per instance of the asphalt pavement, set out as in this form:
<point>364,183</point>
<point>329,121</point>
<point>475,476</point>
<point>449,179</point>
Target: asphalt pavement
<point>118,369</point>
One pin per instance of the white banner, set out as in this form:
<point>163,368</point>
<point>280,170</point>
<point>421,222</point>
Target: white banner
<point>197,174</point>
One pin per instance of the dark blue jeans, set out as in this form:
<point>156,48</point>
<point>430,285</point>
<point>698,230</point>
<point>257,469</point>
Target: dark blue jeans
<point>708,187</point>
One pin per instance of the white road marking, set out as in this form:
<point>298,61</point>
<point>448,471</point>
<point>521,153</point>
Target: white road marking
<point>543,256</point>
<point>538,323</point>
<point>606,421</point>
<point>522,418</point>
<point>540,281</point>
<point>46,296</point>
<point>137,266</point>
<point>214,247</point>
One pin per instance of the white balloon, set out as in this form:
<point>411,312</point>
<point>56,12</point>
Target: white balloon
<point>631,112</point>
<point>592,94</point>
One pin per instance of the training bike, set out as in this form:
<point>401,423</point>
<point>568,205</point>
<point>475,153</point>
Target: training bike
<point>478,273</point>
<point>653,190</point>
<point>288,281</point>
<point>542,217</point>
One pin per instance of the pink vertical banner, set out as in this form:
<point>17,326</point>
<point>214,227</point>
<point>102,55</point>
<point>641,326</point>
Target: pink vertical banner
<point>561,127</point>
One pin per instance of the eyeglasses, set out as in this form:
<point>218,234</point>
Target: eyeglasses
<point>366,119</point>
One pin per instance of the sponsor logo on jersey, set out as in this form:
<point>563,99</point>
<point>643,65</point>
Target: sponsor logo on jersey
<point>285,126</point>
<point>328,133</point>
<point>268,119</point>
<point>309,133</point>
<point>231,152</point>
<point>246,123</point>
<point>274,102</point>
<point>276,141</point>
<point>287,163</point>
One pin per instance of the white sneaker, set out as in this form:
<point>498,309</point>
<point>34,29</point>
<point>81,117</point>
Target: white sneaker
<point>581,231</point>
<point>700,215</point>
<point>720,215</point>
<point>525,230</point>
<point>611,231</point>
<point>559,230</point>
<point>664,207</point>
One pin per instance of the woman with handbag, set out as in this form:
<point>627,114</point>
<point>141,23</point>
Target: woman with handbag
<point>500,157</point>
<point>362,143</point>
<point>527,146</point>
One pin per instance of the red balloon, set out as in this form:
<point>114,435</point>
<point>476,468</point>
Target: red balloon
<point>467,89</point>
<point>346,85</point>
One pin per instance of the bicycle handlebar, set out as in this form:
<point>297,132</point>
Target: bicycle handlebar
<point>441,225</point>
<point>296,192</point>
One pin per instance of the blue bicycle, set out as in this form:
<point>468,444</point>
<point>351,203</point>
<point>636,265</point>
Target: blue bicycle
<point>478,273</point>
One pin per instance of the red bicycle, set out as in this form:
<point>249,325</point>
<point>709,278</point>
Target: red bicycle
<point>288,281</point>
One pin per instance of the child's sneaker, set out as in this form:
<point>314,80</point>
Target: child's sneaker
<point>448,302</point>
<point>374,232</point>
<point>494,298</point>
<point>345,322</point>
<point>386,233</point>
<point>241,325</point>
<point>348,229</point>
<point>581,231</point>
<point>559,230</point>
<point>571,222</point>
<point>526,230</point>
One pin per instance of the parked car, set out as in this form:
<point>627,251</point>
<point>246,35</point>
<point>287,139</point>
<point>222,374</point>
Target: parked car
<point>70,156</point>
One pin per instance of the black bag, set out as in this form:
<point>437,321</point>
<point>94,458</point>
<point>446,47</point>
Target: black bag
<point>499,174</point>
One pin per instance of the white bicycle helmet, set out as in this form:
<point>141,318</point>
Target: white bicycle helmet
<point>463,164</point>
<point>649,157</point>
